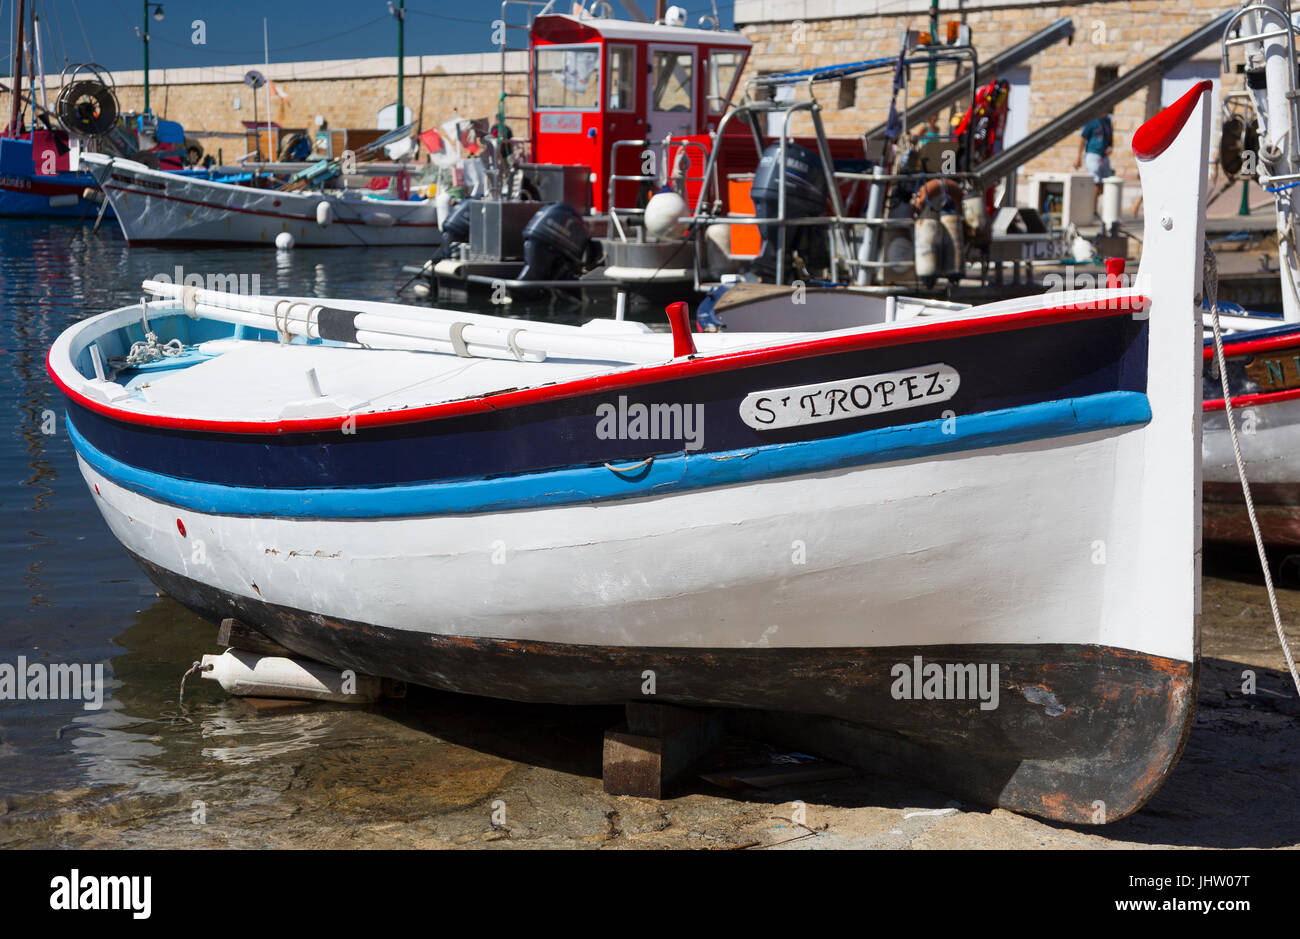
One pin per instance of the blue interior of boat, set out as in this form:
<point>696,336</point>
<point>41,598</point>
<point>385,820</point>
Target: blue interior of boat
<point>168,326</point>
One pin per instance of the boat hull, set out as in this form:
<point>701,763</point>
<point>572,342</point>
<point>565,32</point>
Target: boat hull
<point>1050,748</point>
<point>157,207</point>
<point>1003,526</point>
<point>801,594</point>
<point>1264,380</point>
<point>26,195</point>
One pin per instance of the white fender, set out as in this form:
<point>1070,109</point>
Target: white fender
<point>244,673</point>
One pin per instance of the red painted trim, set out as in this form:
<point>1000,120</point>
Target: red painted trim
<point>235,208</point>
<point>1245,401</point>
<point>669,371</point>
<point>1154,137</point>
<point>38,188</point>
<point>1250,346</point>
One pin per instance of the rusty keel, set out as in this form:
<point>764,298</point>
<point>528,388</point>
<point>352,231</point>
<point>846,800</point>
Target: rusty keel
<point>1076,733</point>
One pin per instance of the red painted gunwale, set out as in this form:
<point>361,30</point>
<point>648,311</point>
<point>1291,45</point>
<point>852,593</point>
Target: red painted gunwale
<point>1245,401</point>
<point>669,371</point>
<point>1250,346</point>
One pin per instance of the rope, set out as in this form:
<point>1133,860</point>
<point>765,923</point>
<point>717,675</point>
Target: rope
<point>195,669</point>
<point>630,469</point>
<point>1211,274</point>
<point>281,331</point>
<point>148,351</point>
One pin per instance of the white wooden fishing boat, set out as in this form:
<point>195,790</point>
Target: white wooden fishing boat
<point>977,530</point>
<point>153,206</point>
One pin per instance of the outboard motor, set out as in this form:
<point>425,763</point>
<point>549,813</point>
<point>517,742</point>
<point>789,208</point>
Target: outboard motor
<point>455,231</point>
<point>805,195</point>
<point>556,243</point>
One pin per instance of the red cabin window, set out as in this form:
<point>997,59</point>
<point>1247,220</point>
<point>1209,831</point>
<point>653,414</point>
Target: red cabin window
<point>673,90</point>
<point>724,70</point>
<point>621,84</point>
<point>567,77</point>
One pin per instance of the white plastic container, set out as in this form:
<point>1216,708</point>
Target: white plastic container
<point>1112,198</point>
<point>927,246</point>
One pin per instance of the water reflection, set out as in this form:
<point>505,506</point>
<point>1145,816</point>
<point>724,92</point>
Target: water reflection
<point>66,587</point>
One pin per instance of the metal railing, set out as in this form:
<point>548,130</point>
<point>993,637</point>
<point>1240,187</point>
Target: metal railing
<point>1289,30</point>
<point>611,205</point>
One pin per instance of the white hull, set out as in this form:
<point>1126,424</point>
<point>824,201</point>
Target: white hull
<point>974,549</point>
<point>152,206</point>
<point>1269,435</point>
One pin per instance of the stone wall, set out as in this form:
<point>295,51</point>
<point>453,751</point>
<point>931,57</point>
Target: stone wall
<point>345,93</point>
<point>790,34</point>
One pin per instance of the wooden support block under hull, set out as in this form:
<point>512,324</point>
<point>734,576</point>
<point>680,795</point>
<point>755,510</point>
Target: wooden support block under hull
<point>644,765</point>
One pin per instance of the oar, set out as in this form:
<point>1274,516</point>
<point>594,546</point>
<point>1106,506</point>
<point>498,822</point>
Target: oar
<point>81,222</point>
<point>417,333</point>
<point>94,229</point>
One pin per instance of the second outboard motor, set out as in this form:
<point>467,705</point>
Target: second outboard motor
<point>455,230</point>
<point>555,244</point>
<point>805,195</point>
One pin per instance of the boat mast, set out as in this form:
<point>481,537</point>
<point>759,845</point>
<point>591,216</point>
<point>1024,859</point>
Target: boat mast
<point>400,13</point>
<point>15,106</point>
<point>40,64</point>
<point>1279,147</point>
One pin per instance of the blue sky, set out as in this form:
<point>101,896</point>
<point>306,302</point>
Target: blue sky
<point>299,29</point>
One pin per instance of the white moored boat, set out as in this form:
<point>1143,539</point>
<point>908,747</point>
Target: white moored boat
<point>153,206</point>
<point>1002,503</point>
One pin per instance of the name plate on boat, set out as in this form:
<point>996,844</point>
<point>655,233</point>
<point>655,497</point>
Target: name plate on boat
<point>560,123</point>
<point>849,397</point>
<point>1279,373</point>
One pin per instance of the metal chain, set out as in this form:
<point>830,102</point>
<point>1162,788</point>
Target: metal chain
<point>1210,274</point>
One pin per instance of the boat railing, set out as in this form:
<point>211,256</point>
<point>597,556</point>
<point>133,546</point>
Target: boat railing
<point>841,231</point>
<point>667,144</point>
<point>1287,30</point>
<point>751,110</point>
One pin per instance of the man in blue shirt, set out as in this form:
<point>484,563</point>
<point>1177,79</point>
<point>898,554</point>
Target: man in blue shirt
<point>1094,150</point>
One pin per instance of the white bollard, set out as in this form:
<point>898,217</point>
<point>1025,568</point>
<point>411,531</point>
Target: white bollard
<point>1112,198</point>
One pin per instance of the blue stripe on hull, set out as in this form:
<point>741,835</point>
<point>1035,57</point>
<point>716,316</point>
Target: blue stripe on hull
<point>676,473</point>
